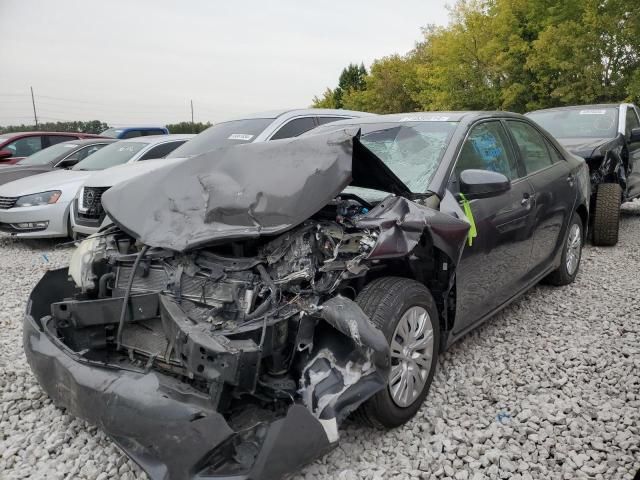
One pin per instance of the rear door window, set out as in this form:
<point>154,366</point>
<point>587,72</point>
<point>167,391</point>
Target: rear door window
<point>532,145</point>
<point>154,131</point>
<point>294,127</point>
<point>131,134</point>
<point>487,147</point>
<point>23,147</point>
<point>161,151</point>
<point>54,139</point>
<point>323,120</point>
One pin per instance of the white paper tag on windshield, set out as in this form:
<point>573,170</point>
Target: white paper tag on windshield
<point>70,145</point>
<point>593,112</point>
<point>240,136</point>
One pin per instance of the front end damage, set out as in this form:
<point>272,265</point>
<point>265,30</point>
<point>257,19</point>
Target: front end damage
<point>239,358</point>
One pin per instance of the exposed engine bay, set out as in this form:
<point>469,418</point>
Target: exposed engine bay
<point>247,323</point>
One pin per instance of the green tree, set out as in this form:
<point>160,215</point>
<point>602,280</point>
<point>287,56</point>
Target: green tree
<point>188,127</point>
<point>92,126</point>
<point>352,78</point>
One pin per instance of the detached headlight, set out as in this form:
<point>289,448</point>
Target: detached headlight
<point>80,267</point>
<point>42,198</point>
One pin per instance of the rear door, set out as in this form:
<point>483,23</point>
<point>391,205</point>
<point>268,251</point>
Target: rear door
<point>494,268</point>
<point>555,190</point>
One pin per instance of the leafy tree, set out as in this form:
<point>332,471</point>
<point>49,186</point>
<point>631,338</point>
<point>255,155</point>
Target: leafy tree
<point>92,126</point>
<point>508,54</point>
<point>188,127</point>
<point>352,78</point>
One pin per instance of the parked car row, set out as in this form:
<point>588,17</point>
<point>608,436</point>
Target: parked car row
<point>236,301</point>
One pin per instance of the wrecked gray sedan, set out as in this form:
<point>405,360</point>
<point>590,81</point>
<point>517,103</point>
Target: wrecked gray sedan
<point>246,301</point>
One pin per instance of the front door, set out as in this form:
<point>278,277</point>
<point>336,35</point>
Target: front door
<point>633,173</point>
<point>494,267</point>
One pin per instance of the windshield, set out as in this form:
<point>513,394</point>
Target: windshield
<point>48,155</point>
<point>578,122</point>
<point>112,132</point>
<point>221,134</point>
<point>110,156</point>
<point>412,150</point>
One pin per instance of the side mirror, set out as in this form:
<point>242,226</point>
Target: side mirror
<point>5,154</point>
<point>67,163</point>
<point>635,135</point>
<point>483,183</point>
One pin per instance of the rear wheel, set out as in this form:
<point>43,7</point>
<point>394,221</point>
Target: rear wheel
<point>405,312</point>
<point>606,217</point>
<point>571,254</point>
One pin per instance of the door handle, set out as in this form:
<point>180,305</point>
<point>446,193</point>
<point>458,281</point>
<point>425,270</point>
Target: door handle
<point>571,179</point>
<point>526,200</point>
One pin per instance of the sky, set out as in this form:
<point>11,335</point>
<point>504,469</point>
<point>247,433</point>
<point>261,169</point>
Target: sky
<point>126,62</point>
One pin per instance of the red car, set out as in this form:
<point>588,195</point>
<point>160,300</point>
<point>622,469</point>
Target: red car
<point>15,146</point>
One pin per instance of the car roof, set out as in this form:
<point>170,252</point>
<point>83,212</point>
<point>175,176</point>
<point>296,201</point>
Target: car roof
<point>135,127</point>
<point>152,139</point>
<point>435,116</point>
<point>90,141</point>
<point>273,114</point>
<point>579,107</point>
<point>36,132</point>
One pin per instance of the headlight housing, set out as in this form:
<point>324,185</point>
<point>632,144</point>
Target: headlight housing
<point>80,267</point>
<point>42,198</point>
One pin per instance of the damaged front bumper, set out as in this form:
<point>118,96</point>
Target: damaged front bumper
<point>168,428</point>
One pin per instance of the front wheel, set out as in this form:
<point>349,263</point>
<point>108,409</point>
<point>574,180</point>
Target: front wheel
<point>405,312</point>
<point>571,254</point>
<point>606,215</point>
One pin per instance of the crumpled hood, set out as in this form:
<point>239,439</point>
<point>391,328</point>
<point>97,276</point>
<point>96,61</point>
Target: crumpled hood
<point>584,147</point>
<point>245,191</point>
<point>57,180</point>
<point>120,173</point>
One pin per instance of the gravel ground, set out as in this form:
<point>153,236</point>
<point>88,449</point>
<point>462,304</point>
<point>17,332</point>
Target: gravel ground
<point>547,389</point>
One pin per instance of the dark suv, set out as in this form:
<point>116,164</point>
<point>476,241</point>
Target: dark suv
<point>608,138</point>
<point>15,146</point>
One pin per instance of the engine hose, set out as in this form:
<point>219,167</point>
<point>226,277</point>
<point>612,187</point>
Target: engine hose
<point>102,284</point>
<point>127,293</point>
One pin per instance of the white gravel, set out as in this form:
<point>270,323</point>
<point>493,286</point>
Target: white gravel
<point>547,389</point>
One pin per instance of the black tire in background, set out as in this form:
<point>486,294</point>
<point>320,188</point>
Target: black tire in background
<point>386,301</point>
<point>571,254</point>
<point>606,215</point>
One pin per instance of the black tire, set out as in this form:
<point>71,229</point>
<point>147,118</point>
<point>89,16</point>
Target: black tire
<point>563,275</point>
<point>385,300</point>
<point>606,215</point>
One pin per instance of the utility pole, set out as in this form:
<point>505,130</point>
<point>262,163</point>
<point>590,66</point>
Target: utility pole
<point>193,125</point>
<point>35,115</point>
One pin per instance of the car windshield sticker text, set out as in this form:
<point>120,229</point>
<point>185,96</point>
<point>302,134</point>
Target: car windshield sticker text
<point>240,136</point>
<point>593,112</point>
<point>421,118</point>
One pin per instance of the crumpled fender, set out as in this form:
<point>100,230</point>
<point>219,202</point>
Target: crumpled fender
<point>402,223</point>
